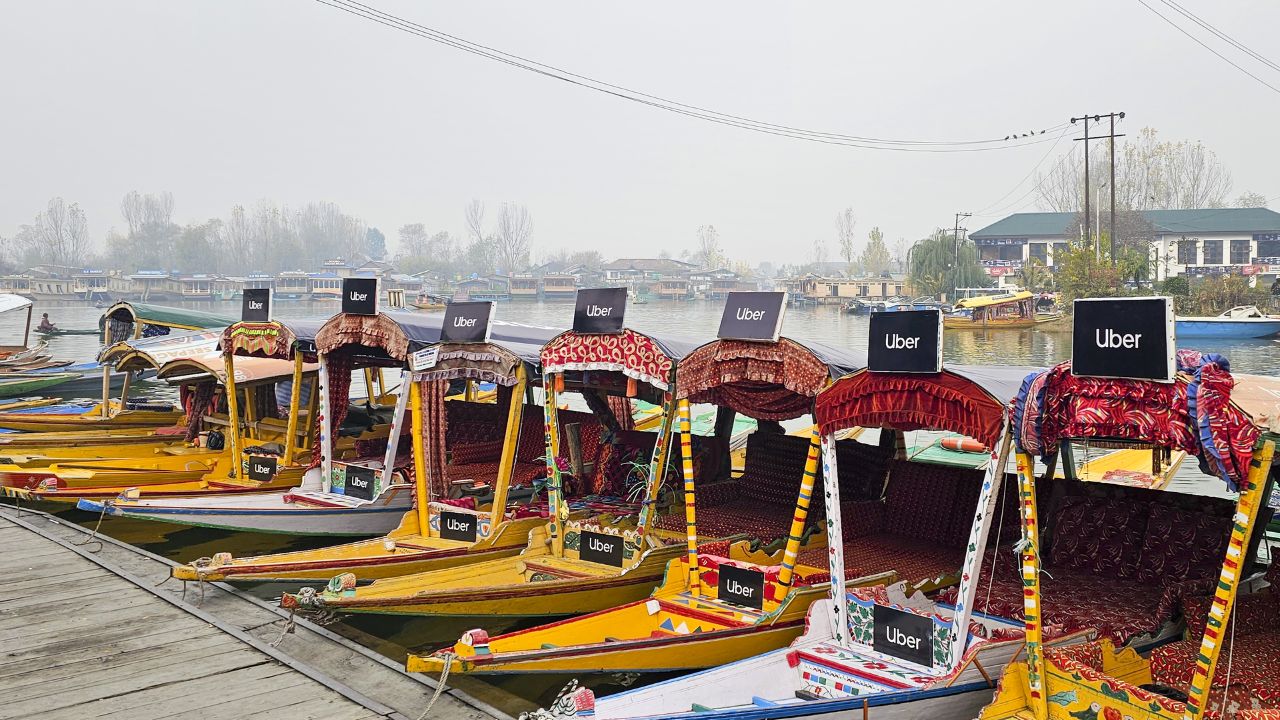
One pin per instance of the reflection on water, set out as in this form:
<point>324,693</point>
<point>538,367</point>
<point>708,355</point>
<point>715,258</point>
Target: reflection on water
<point>396,636</point>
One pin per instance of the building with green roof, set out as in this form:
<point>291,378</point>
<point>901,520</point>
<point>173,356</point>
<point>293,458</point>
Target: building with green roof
<point>1195,243</point>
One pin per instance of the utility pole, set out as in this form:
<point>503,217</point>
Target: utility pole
<point>1112,137</point>
<point>955,236</point>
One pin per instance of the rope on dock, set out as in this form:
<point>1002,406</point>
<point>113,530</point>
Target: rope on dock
<point>290,626</point>
<point>444,676</point>
<point>93,536</point>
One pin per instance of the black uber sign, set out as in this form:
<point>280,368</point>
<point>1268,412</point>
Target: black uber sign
<point>359,482</point>
<point>909,341</point>
<point>458,526</point>
<point>360,296</point>
<point>466,322</point>
<point>1123,338</point>
<point>256,305</point>
<point>752,316</point>
<point>741,586</point>
<point>601,548</point>
<point>262,467</point>
<point>903,635</point>
<point>600,311</point>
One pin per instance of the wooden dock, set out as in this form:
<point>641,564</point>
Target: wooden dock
<point>85,632</point>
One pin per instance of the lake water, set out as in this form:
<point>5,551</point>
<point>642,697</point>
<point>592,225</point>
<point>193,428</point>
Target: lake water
<point>395,636</point>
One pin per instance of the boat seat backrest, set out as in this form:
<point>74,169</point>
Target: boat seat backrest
<point>774,469</point>
<point>862,469</point>
<point>922,501</point>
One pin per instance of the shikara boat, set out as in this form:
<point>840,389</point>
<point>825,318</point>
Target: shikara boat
<point>721,602</point>
<point>14,384</point>
<point>130,320</point>
<point>993,312</point>
<point>559,573</point>
<point>326,504</point>
<point>1243,322</point>
<point>1231,430</point>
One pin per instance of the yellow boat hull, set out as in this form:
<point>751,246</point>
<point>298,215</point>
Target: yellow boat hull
<point>90,420</point>
<point>532,584</point>
<point>405,551</point>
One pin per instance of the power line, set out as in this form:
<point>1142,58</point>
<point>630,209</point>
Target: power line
<point>370,13</point>
<point>1199,42</point>
<point>1054,146</point>
<point>1222,35</point>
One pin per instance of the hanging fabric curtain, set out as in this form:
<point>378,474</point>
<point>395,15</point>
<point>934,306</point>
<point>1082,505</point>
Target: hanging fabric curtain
<point>339,371</point>
<point>435,424</point>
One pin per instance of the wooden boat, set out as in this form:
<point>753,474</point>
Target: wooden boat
<point>992,312</point>
<point>125,320</point>
<point>1243,322</point>
<point>327,504</point>
<point>1151,468</point>
<point>1183,678</point>
<point>12,355</point>
<point>21,385</point>
<point>421,542</point>
<point>844,660</point>
<point>694,619</point>
<point>553,576</point>
<point>57,332</point>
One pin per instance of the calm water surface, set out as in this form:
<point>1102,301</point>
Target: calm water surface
<point>696,320</point>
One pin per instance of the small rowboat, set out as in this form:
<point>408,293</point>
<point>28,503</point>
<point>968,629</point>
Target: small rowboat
<point>60,331</point>
<point>22,384</point>
<point>1013,311</point>
<point>1243,322</point>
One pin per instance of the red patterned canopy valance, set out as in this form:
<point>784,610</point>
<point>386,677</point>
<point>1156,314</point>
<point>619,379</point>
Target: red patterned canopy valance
<point>376,331</point>
<point>630,353</point>
<point>910,402</point>
<point>766,381</point>
<point>264,339</point>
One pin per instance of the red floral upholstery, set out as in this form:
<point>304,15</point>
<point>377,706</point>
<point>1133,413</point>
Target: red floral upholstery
<point>913,559</point>
<point>1183,544</point>
<point>475,452</point>
<point>1101,536</point>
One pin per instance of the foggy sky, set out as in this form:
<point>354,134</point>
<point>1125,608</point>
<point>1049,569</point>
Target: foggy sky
<point>231,101</point>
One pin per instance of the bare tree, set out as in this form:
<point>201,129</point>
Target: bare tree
<point>845,224</point>
<point>512,237</point>
<point>59,235</point>
<point>474,214</point>
<point>709,256</point>
<point>1250,200</point>
<point>1150,175</point>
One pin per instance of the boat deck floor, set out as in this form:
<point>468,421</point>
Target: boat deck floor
<point>88,631</point>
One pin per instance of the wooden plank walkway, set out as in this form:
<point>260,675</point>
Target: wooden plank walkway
<point>83,636</point>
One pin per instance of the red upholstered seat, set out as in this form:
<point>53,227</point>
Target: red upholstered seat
<point>914,560</point>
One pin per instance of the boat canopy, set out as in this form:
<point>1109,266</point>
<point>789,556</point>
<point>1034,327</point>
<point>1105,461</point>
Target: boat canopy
<point>249,370</point>
<point>643,357</point>
<point>489,362</point>
<point>389,338</point>
<point>763,380</point>
<point>968,399</point>
<point>989,300</point>
<point>9,301</point>
<point>273,339</point>
<point>1195,413</point>
<point>124,320</point>
<point>152,352</point>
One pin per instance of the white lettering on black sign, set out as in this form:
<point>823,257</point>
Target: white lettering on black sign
<point>601,548</point>
<point>262,467</point>
<point>458,526</point>
<point>600,311</point>
<point>741,586</point>
<point>359,482</point>
<point>360,296</point>
<point>466,322</point>
<point>903,635</point>
<point>256,305</point>
<point>1123,338</point>
<point>908,341</point>
<point>752,316</point>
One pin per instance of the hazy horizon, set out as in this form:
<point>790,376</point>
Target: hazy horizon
<point>232,102</point>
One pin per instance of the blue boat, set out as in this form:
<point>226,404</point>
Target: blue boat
<point>1243,322</point>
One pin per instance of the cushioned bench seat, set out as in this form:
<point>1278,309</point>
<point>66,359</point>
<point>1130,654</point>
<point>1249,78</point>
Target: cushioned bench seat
<point>914,560</point>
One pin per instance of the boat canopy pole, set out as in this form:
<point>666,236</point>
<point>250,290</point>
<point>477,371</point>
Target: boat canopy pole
<point>657,465</point>
<point>554,487</point>
<point>422,491</point>
<point>124,388</point>
<point>397,428</point>
<point>787,573</point>
<point>233,415</point>
<point>1224,598</point>
<point>979,530</point>
<point>1031,584</point>
<point>510,443</point>
<point>835,538</point>
<point>106,390</point>
<point>26,333</point>
<point>291,427</point>
<point>326,438</point>
<point>690,509</point>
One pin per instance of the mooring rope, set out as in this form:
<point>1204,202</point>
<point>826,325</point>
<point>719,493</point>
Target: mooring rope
<point>93,536</point>
<point>290,626</point>
<point>444,677</point>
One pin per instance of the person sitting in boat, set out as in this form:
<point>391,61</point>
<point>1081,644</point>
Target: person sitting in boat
<point>45,325</point>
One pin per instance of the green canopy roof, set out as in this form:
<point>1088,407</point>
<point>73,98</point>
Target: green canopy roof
<point>171,317</point>
<point>1166,222</point>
